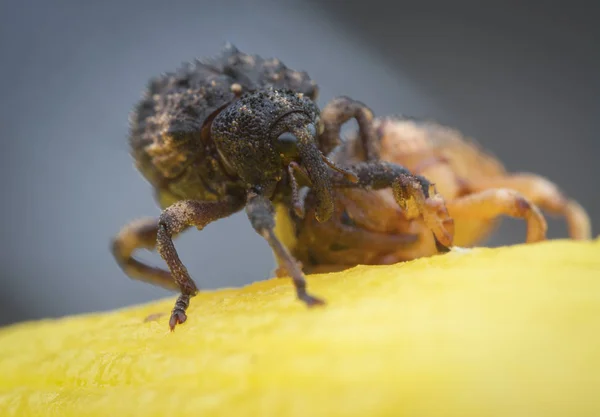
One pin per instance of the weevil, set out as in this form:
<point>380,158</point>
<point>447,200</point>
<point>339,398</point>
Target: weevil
<point>236,132</point>
<point>367,227</point>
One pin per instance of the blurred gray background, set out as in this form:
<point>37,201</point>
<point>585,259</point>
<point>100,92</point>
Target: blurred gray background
<point>523,80</point>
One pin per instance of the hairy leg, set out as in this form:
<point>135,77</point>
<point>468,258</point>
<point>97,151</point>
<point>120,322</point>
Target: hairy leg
<point>261,214</point>
<point>140,234</point>
<point>490,204</point>
<point>173,221</point>
<point>337,112</point>
<point>546,196</point>
<point>411,193</point>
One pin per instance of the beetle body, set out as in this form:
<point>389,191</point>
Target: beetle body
<point>171,127</point>
<point>242,132</point>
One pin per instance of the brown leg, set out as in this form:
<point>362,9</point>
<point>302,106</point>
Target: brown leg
<point>493,203</point>
<point>337,112</point>
<point>297,205</point>
<point>546,195</point>
<point>174,220</point>
<point>260,211</point>
<point>411,193</point>
<point>140,234</point>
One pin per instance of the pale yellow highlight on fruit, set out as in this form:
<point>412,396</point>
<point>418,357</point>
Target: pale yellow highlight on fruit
<point>491,332</point>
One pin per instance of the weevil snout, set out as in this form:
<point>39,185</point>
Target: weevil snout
<point>311,159</point>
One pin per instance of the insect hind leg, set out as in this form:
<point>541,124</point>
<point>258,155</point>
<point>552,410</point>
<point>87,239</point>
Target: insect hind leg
<point>140,234</point>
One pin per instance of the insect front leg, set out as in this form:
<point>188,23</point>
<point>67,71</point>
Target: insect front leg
<point>546,196</point>
<point>173,221</point>
<point>261,214</point>
<point>337,112</point>
<point>411,193</point>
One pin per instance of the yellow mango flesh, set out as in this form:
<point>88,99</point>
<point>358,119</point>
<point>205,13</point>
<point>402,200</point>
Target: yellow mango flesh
<point>511,331</point>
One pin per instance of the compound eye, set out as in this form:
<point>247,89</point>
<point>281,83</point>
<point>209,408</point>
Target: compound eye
<point>288,144</point>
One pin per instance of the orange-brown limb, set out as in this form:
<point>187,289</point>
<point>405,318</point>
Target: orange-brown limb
<point>546,195</point>
<point>490,204</point>
<point>411,198</point>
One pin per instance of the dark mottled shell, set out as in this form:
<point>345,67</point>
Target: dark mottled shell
<point>176,106</point>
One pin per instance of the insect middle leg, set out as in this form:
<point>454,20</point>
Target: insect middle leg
<point>546,196</point>
<point>337,112</point>
<point>261,214</point>
<point>492,203</point>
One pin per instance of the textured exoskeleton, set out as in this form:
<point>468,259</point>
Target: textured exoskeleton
<point>239,131</point>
